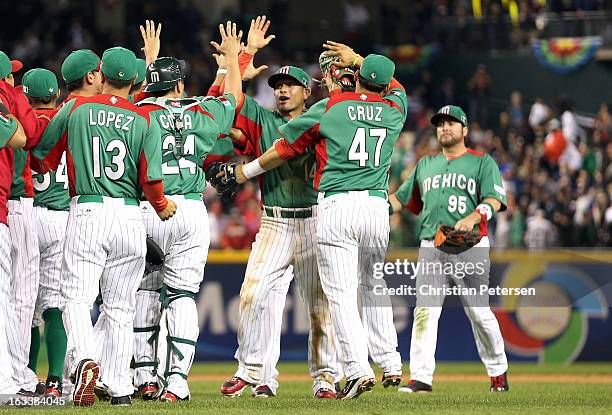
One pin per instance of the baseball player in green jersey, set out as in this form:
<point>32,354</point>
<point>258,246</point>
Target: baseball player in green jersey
<point>461,188</point>
<point>354,134</point>
<point>112,158</point>
<point>51,202</point>
<point>284,240</point>
<point>190,128</point>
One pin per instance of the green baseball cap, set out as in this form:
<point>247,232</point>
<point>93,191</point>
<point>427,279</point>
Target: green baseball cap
<point>78,64</point>
<point>8,66</point>
<point>450,111</point>
<point>377,69</point>
<point>39,83</point>
<point>293,72</point>
<point>119,64</point>
<point>141,69</point>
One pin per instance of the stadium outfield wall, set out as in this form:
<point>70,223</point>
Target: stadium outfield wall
<point>567,320</point>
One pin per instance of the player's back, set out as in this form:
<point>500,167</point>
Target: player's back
<point>189,129</point>
<point>359,132</point>
<point>105,145</point>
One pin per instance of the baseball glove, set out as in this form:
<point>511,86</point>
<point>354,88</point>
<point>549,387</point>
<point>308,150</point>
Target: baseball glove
<point>453,241</point>
<point>226,184</point>
<point>154,258</point>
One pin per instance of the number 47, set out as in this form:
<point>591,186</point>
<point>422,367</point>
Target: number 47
<point>358,150</point>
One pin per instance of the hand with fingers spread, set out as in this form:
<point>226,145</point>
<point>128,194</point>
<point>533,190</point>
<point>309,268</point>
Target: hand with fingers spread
<point>150,37</point>
<point>230,40</point>
<point>345,55</point>
<point>256,38</point>
<point>252,72</point>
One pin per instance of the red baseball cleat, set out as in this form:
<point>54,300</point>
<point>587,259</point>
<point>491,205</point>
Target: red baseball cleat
<point>234,387</point>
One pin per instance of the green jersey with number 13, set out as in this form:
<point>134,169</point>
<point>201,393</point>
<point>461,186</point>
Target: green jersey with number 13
<point>112,146</point>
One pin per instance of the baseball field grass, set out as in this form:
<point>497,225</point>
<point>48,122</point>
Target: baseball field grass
<point>460,388</point>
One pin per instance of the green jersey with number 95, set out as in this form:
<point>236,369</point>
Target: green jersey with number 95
<point>190,127</point>
<point>354,136</point>
<point>445,190</point>
<point>111,146</point>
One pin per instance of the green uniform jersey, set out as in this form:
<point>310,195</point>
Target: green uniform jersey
<point>445,190</point>
<point>8,127</point>
<point>290,185</point>
<point>354,134</point>
<point>197,122</point>
<point>22,175</point>
<point>51,189</point>
<point>112,146</point>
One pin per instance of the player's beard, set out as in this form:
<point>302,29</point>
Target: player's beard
<point>449,140</point>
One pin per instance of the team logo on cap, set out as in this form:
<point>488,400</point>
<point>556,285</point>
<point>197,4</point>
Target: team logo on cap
<point>25,89</point>
<point>51,89</point>
<point>373,75</point>
<point>121,74</point>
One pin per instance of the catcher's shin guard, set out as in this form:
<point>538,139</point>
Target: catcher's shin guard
<point>183,330</point>
<point>146,336</point>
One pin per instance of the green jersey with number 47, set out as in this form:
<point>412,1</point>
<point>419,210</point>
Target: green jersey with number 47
<point>190,128</point>
<point>354,135</point>
<point>112,146</point>
<point>445,191</point>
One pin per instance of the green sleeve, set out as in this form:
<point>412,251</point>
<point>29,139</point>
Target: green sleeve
<point>303,130</point>
<point>491,183</point>
<point>57,127</point>
<point>151,150</point>
<point>222,109</point>
<point>409,193</point>
<point>399,98</point>
<point>8,127</point>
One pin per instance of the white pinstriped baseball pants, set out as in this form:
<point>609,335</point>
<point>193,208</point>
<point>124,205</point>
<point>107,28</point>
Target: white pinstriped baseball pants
<point>185,240</point>
<point>279,244</point>
<point>488,337</point>
<point>51,231</point>
<point>352,234</point>
<point>24,287</point>
<point>104,250</point>
<point>7,384</point>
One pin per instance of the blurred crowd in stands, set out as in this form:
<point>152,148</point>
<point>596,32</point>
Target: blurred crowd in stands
<point>557,165</point>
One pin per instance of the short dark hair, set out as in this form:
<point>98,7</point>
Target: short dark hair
<point>74,85</point>
<point>41,101</point>
<point>135,88</point>
<point>164,92</point>
<point>118,84</point>
<point>371,86</point>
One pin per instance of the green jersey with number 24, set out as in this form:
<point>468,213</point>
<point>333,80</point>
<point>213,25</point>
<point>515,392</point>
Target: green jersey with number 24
<point>196,124</point>
<point>445,191</point>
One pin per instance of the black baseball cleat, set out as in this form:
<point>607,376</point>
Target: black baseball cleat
<point>391,380</point>
<point>355,387</point>
<point>121,400</point>
<point>500,383</point>
<point>262,391</point>
<point>414,386</point>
